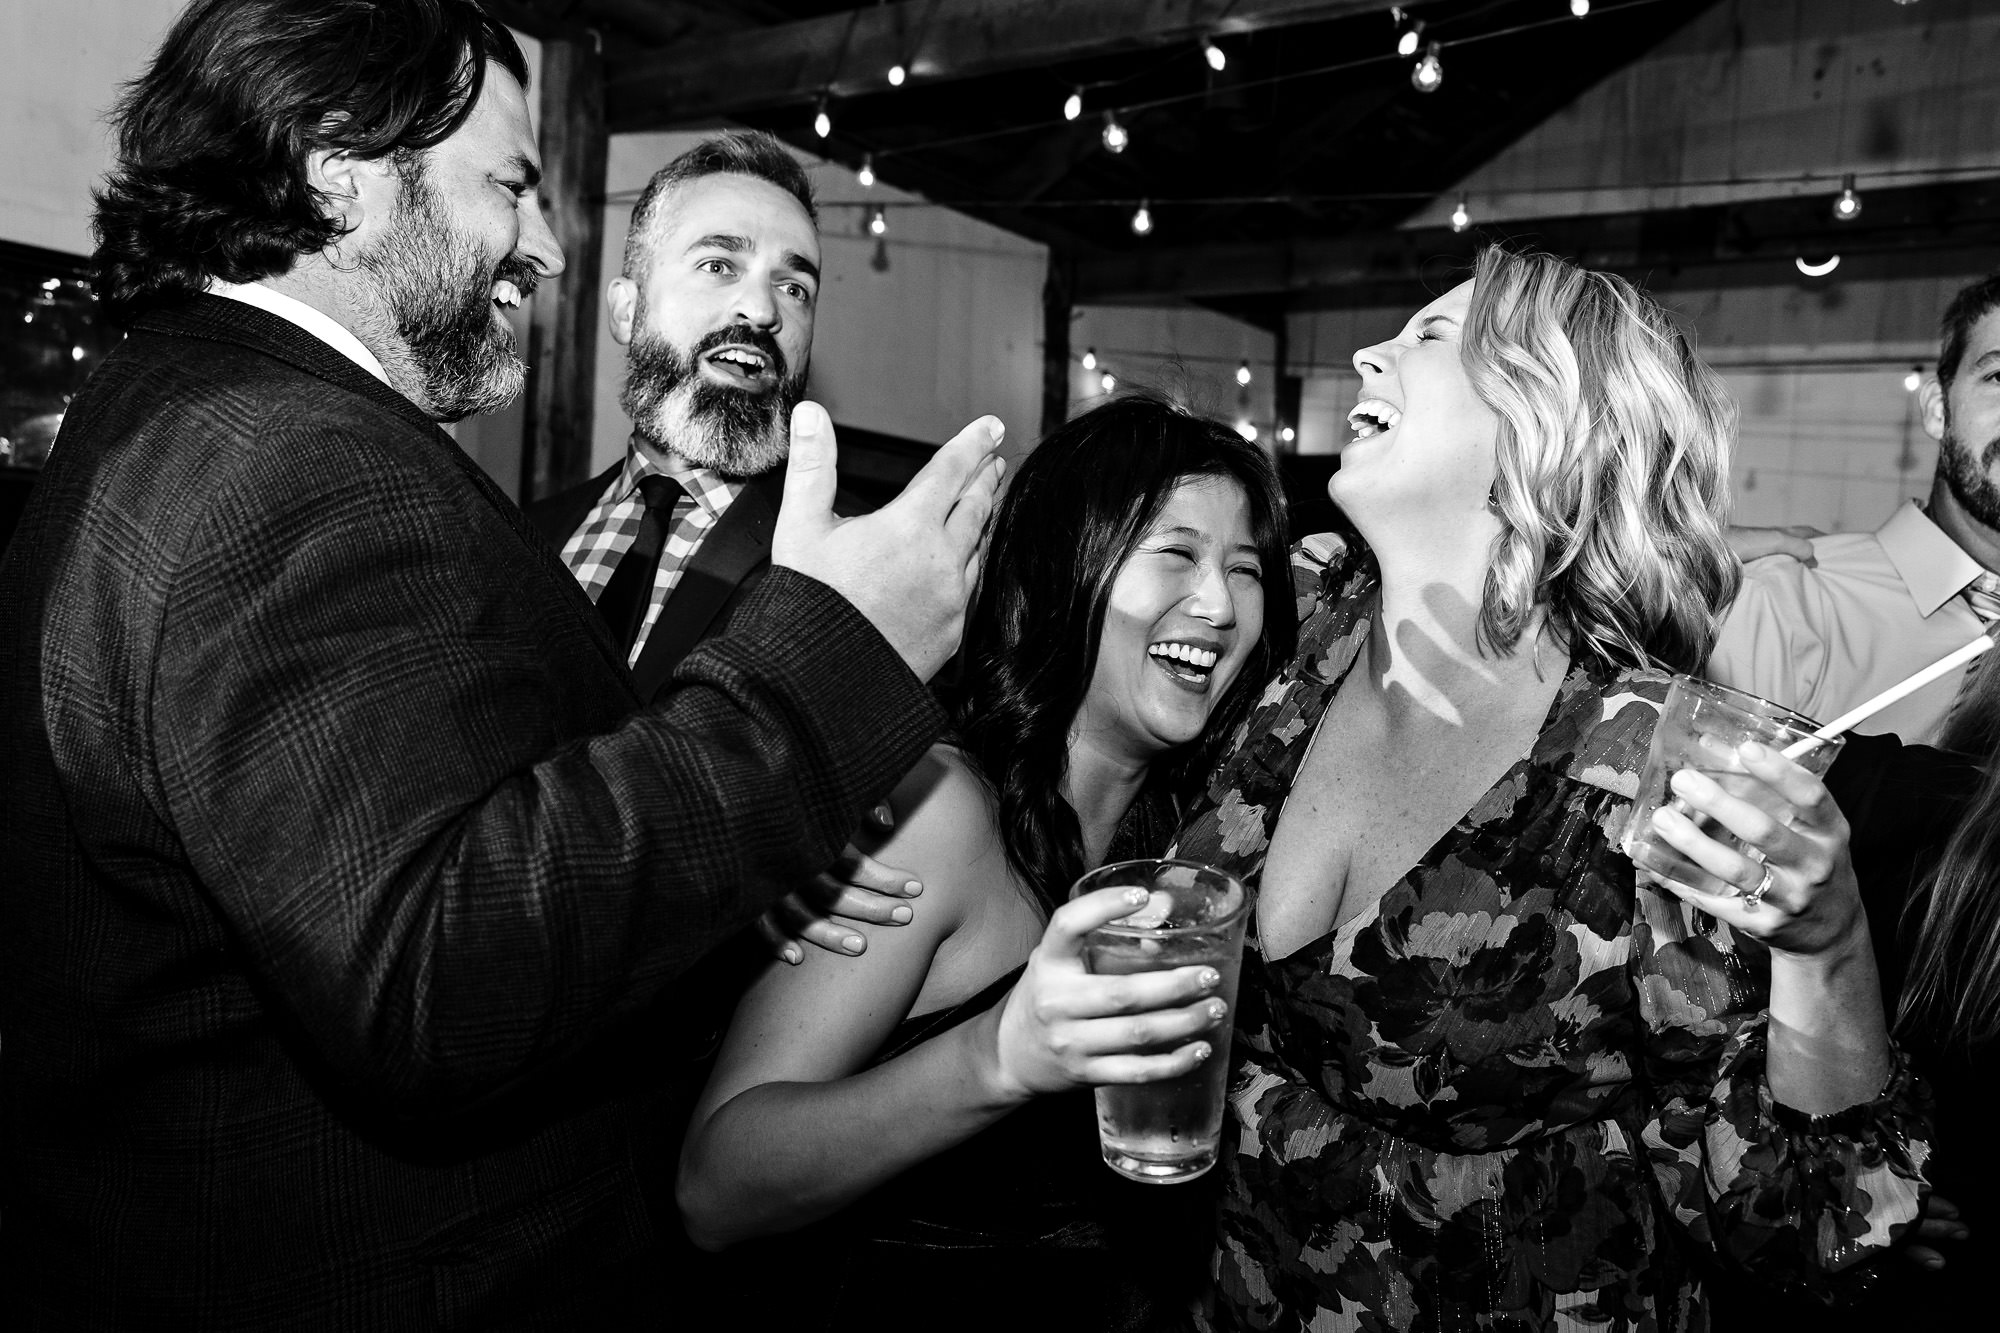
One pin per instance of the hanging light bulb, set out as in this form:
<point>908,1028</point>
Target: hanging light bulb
<point>878,223</point>
<point>1212,53</point>
<point>1429,72</point>
<point>1142,220</point>
<point>867,173</point>
<point>1460,218</point>
<point>1914,380</point>
<point>896,75</point>
<point>1090,358</point>
<point>1073,105</point>
<point>1248,430</point>
<point>1243,374</point>
<point>1579,7</point>
<point>822,122</point>
<point>1108,382</point>
<point>1847,207</point>
<point>1287,434</point>
<point>1115,137</point>
<point>1409,36</point>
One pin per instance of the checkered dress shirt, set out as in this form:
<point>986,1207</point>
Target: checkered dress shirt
<point>612,525</point>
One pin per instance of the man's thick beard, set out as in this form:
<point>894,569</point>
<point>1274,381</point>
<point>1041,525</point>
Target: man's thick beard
<point>735,433</point>
<point>438,288</point>
<point>1970,482</point>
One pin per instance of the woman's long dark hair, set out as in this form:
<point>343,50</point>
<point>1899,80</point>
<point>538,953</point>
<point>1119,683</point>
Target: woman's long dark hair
<point>1075,509</point>
<point>1952,982</point>
<point>211,181</point>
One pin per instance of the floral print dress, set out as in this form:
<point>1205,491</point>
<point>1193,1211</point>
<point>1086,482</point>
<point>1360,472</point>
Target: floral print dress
<point>1522,1089</point>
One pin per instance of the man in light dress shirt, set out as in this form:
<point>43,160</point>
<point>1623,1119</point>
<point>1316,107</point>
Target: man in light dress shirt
<point>1873,608</point>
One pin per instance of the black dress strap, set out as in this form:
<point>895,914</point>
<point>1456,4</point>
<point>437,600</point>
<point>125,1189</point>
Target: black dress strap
<point>914,1032</point>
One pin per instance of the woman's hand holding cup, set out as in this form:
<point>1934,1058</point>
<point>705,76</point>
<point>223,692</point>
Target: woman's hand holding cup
<point>1785,879</point>
<point>1061,1026</point>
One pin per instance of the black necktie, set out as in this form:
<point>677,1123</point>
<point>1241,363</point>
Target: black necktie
<point>630,589</point>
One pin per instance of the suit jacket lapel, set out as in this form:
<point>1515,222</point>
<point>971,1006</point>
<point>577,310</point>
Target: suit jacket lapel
<point>738,545</point>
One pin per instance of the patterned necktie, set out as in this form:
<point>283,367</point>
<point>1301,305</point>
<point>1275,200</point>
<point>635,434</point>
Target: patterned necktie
<point>629,591</point>
<point>1983,596</point>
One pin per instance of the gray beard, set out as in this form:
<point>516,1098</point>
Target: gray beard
<point>735,433</point>
<point>1967,477</point>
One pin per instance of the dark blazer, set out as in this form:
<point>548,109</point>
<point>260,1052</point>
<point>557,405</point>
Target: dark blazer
<point>716,582</point>
<point>341,869</point>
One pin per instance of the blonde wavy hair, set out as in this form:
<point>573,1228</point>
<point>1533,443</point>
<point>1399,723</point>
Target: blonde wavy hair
<point>1612,478</point>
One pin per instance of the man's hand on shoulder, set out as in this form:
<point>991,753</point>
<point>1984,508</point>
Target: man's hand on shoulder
<point>910,566</point>
<point>1755,543</point>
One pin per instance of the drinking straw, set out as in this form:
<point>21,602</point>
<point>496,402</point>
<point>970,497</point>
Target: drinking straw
<point>1853,716</point>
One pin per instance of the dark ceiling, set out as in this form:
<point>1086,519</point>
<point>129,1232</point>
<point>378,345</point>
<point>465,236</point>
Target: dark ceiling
<point>1276,183</point>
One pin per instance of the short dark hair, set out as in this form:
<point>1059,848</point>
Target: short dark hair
<point>210,180</point>
<point>1972,304</point>
<point>1076,507</point>
<point>750,153</point>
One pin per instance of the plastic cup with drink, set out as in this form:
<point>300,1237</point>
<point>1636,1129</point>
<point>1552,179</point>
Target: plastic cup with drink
<point>1167,1131</point>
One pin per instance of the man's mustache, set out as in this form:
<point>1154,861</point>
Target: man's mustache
<point>520,272</point>
<point>744,335</point>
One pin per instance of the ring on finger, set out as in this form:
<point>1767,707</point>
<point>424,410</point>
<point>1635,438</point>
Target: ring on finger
<point>1751,897</point>
<point>1754,853</point>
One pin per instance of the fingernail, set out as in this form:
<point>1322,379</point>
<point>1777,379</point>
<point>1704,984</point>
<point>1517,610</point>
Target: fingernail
<point>913,888</point>
<point>792,956</point>
<point>806,419</point>
<point>1751,750</point>
<point>1202,1050</point>
<point>899,915</point>
<point>1933,1263</point>
<point>1217,1011</point>
<point>1137,896</point>
<point>1210,978</point>
<point>852,943</point>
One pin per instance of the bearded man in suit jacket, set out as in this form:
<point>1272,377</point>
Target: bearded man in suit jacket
<point>715,308</point>
<point>345,869</point>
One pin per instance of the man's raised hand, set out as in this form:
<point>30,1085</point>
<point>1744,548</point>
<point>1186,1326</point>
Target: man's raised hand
<point>909,566</point>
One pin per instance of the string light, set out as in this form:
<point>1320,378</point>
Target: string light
<point>867,173</point>
<point>1429,72</point>
<point>1460,218</point>
<point>1073,105</point>
<point>1287,434</point>
<point>1409,31</point>
<point>1817,270</point>
<point>1108,382</point>
<point>1115,137</point>
<point>1248,430</point>
<point>896,76</point>
<point>1848,206</point>
<point>1212,53</point>
<point>1579,7</point>
<point>1914,380</point>
<point>1243,374</point>
<point>822,122</point>
<point>878,223</point>
<point>1142,220</point>
<point>1090,358</point>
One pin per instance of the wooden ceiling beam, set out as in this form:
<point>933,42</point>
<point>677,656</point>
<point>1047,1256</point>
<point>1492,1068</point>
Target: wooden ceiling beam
<point>849,53</point>
<point>1748,235</point>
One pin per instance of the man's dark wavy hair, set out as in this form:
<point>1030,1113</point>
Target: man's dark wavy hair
<point>210,179</point>
<point>1076,508</point>
<point>1973,303</point>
